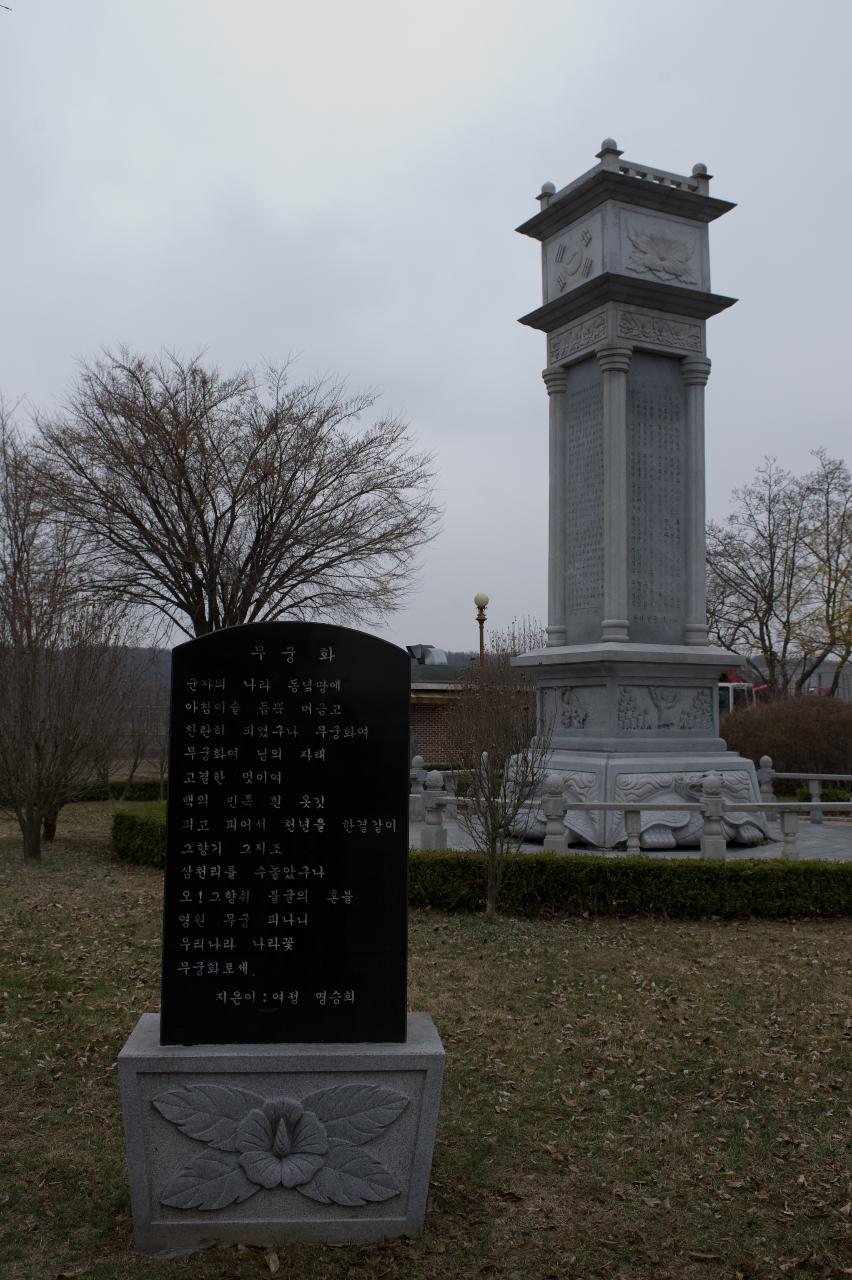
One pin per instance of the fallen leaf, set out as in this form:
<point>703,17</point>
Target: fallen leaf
<point>554,1152</point>
<point>272,1261</point>
<point>704,1257</point>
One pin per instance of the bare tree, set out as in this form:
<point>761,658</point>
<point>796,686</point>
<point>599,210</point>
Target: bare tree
<point>779,573</point>
<point>493,739</point>
<point>140,722</point>
<point>826,629</point>
<point>60,668</point>
<point>222,499</point>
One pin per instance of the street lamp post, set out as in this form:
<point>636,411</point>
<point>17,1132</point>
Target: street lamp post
<point>481,600</point>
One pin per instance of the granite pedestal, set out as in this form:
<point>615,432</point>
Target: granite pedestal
<point>261,1144</point>
<point>634,723</point>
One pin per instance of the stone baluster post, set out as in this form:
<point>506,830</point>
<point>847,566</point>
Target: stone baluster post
<point>554,810</point>
<point>765,774</point>
<point>433,834</point>
<point>695,371</point>
<point>614,361</point>
<point>815,788</point>
<point>555,380</point>
<point>713,834</point>
<point>417,774</point>
<point>789,831</point>
<point>633,827</point>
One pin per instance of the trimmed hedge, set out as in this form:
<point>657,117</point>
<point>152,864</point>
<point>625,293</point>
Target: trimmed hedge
<point>545,884</point>
<point>549,884</point>
<point>139,835</point>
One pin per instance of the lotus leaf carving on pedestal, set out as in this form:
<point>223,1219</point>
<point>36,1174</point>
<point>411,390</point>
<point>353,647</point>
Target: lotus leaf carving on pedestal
<point>312,1145</point>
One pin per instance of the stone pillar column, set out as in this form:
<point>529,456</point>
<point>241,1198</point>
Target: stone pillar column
<point>695,371</point>
<point>614,361</point>
<point>555,379</point>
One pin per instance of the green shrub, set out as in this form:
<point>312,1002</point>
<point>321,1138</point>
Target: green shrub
<point>547,884</point>
<point>139,835</point>
<point>551,884</point>
<point>801,735</point>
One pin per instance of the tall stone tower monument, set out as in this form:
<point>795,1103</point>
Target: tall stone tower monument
<point>628,681</point>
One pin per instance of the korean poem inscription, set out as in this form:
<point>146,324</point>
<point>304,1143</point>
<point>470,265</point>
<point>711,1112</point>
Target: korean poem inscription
<point>286,866</point>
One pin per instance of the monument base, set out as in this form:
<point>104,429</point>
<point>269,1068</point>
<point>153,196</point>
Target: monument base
<point>631,779</point>
<point>633,723</point>
<point>262,1144</point>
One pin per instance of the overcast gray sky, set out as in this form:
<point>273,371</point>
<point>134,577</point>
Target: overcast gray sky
<point>340,180</point>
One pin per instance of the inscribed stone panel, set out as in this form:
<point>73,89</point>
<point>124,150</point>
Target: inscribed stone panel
<point>656,480</point>
<point>583,502</point>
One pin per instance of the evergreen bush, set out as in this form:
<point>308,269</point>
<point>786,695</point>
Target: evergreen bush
<point>139,835</point>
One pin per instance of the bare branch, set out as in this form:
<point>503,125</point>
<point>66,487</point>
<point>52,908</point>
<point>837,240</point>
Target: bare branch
<point>61,668</point>
<point>780,572</point>
<point>493,739</point>
<point>219,500</point>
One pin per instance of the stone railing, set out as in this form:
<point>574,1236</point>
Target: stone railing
<point>610,158</point>
<point>431,802</point>
<point>766,776</point>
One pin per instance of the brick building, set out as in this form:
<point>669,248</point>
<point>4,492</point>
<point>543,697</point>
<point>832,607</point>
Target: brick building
<point>434,686</point>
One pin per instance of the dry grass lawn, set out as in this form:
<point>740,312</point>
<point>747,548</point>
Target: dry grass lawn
<point>628,1099</point>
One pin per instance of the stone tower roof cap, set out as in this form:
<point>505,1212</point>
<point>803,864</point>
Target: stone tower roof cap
<point>614,178</point>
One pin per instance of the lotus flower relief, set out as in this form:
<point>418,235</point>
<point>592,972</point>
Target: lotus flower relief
<point>661,256</point>
<point>252,1143</point>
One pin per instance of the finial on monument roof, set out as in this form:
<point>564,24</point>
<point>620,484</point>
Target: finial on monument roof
<point>702,178</point>
<point>548,191</point>
<point>609,154</point>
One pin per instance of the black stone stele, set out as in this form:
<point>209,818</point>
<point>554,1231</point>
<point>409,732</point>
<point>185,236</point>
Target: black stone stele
<point>285,908</point>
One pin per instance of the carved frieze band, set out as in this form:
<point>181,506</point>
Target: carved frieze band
<point>642,708</point>
<point>647,707</point>
<point>659,332</point>
<point>577,337</point>
<point>681,787</point>
<point>575,707</point>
